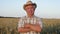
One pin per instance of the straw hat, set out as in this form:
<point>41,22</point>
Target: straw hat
<point>29,3</point>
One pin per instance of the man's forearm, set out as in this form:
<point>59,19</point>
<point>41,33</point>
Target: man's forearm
<point>36,28</point>
<point>23,29</point>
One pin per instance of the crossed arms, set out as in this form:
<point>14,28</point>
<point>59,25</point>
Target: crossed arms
<point>30,27</point>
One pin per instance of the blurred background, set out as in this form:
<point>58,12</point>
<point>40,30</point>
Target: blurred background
<point>45,8</point>
<point>8,25</point>
<point>12,10</point>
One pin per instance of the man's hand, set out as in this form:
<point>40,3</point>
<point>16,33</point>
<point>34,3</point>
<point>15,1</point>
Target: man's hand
<point>22,29</point>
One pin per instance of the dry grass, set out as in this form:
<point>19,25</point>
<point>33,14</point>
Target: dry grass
<point>12,23</point>
<point>8,22</point>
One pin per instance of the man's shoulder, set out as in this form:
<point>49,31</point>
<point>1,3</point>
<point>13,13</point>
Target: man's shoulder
<point>23,17</point>
<point>38,18</point>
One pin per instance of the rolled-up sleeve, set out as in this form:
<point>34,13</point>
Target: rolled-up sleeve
<point>40,22</point>
<point>19,23</point>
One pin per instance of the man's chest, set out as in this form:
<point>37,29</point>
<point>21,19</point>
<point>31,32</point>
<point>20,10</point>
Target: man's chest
<point>30,21</point>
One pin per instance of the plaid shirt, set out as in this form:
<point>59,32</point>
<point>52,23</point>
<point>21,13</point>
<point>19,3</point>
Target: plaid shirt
<point>32,20</point>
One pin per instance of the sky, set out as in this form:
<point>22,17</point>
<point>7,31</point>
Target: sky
<point>45,8</point>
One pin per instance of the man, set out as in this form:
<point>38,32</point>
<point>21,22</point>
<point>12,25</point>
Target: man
<point>30,24</point>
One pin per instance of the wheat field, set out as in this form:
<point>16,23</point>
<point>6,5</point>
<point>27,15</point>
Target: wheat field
<point>9,26</point>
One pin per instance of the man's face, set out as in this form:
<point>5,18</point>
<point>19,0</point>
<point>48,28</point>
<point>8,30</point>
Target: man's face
<point>30,9</point>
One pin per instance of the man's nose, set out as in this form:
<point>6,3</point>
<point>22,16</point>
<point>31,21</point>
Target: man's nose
<point>30,9</point>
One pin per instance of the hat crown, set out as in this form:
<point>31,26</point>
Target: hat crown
<point>29,2</point>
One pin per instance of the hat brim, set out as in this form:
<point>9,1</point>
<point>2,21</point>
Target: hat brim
<point>29,4</point>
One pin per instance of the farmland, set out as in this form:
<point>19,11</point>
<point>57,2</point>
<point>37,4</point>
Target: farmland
<point>9,26</point>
